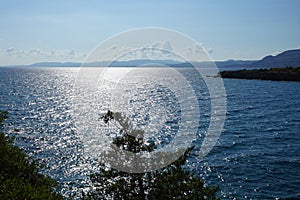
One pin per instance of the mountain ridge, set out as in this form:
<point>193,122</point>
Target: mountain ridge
<point>289,58</point>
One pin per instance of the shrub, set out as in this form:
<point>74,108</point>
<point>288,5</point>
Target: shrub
<point>19,175</point>
<point>170,182</point>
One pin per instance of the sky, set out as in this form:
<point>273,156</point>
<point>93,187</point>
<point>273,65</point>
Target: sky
<point>67,31</point>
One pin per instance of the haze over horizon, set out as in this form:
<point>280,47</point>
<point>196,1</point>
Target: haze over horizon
<point>66,31</point>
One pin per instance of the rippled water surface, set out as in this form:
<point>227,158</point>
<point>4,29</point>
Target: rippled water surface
<point>256,157</point>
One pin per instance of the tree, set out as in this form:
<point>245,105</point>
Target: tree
<point>19,175</point>
<point>170,182</point>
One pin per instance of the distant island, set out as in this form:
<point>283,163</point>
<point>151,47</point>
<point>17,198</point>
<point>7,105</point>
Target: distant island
<point>273,74</point>
<point>289,58</point>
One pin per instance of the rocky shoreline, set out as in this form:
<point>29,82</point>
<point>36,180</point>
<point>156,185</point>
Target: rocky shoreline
<point>273,74</point>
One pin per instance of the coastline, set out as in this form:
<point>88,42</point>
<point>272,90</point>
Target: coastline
<point>272,74</point>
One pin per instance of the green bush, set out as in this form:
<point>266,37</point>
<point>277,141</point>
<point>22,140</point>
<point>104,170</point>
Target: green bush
<point>19,175</point>
<point>170,182</point>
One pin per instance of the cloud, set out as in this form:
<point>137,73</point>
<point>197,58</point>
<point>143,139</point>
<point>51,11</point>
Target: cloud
<point>72,52</point>
<point>114,47</point>
<point>197,52</point>
<point>157,50</point>
<point>198,48</point>
<point>34,50</point>
<point>167,46</point>
<point>110,53</point>
<point>163,45</point>
<point>64,54</point>
<point>26,56</point>
<point>24,53</point>
<point>156,44</point>
<point>118,52</point>
<point>10,50</point>
<point>37,52</point>
<point>210,50</point>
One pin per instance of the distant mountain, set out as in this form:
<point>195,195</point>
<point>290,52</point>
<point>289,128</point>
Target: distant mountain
<point>133,63</point>
<point>290,58</point>
<point>55,64</point>
<point>234,63</point>
<point>130,63</point>
<point>222,65</point>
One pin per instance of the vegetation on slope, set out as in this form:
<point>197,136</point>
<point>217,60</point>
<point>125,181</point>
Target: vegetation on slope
<point>19,175</point>
<point>273,74</point>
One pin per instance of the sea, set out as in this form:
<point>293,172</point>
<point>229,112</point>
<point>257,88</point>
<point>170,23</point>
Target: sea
<point>255,156</point>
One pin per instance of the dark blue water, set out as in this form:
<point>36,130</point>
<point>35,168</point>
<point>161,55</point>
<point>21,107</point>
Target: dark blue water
<point>256,157</point>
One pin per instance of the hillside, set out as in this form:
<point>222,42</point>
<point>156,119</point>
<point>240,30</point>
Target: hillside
<point>290,58</point>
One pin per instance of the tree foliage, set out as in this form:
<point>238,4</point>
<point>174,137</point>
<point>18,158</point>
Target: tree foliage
<point>19,175</point>
<point>170,182</point>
